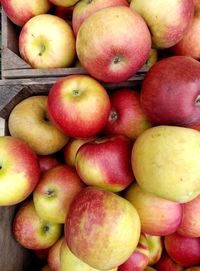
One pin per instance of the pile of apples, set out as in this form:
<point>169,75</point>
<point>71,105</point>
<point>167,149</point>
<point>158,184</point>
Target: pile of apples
<point>107,180</point>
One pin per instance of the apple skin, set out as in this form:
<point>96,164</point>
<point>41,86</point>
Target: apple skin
<point>158,216</point>
<point>19,168</point>
<point>54,255</point>
<point>42,254</point>
<point>152,58</point>
<point>190,225</point>
<point>139,258</point>
<point>106,163</point>
<point>79,105</point>
<point>31,231</point>
<point>72,147</point>
<point>167,28</point>
<point>28,119</point>
<point>47,162</point>
<point>170,92</point>
<point>155,248</point>
<point>39,47</point>
<point>55,191</point>
<point>64,3</point>
<point>110,55</point>
<point>46,268</point>
<point>126,114</point>
<point>167,264</point>
<point>83,9</point>
<point>183,250</point>
<point>149,268</point>
<point>64,12</point>
<point>193,268</point>
<point>20,11</point>
<point>94,225</point>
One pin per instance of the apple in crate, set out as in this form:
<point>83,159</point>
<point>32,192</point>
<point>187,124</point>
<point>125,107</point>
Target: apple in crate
<point>102,228</point>
<point>20,11</point>
<point>126,115</point>
<point>36,122</point>
<point>166,28</point>
<point>155,248</point>
<point>106,163</point>
<point>64,3</point>
<point>83,9</point>
<point>167,264</point>
<point>79,105</point>
<point>183,250</point>
<point>55,192</point>
<point>33,232</point>
<point>47,41</point>
<point>47,162</point>
<point>166,162</point>
<point>113,44</point>
<point>158,216</point>
<point>54,255</point>
<point>170,92</point>
<point>19,170</point>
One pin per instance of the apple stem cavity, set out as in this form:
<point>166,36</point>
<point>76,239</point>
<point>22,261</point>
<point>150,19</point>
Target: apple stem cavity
<point>89,1</point>
<point>113,116</point>
<point>46,228</point>
<point>117,59</point>
<point>76,92</point>
<point>42,49</point>
<point>197,101</point>
<point>50,193</point>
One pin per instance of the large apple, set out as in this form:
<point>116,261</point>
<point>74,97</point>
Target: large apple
<point>155,245</point>
<point>83,9</point>
<point>183,250</point>
<point>55,191</point>
<point>167,27</point>
<point>47,41</point>
<point>64,3</point>
<point>20,11</point>
<point>29,121</point>
<point>19,170</point>
<point>79,105</point>
<point>167,264</point>
<point>158,216</point>
<point>166,162</point>
<point>31,231</point>
<point>113,44</point>
<point>170,92</point>
<point>102,228</point>
<point>126,115</point>
<point>106,163</point>
<point>54,255</point>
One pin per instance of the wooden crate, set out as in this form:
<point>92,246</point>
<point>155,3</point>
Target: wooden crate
<point>14,67</point>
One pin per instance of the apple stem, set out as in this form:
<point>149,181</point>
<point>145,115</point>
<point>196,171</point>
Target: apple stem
<point>46,228</point>
<point>116,60</point>
<point>42,49</point>
<point>76,92</point>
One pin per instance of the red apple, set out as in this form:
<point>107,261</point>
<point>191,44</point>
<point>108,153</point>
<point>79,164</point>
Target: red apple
<point>20,11</point>
<point>113,44</point>
<point>155,248</point>
<point>190,225</point>
<point>106,163</point>
<point>31,231</point>
<point>47,162</point>
<point>83,9</point>
<point>183,250</point>
<point>19,170</point>
<point>167,264</point>
<point>170,92</point>
<point>139,258</point>
<point>55,191</point>
<point>94,226</point>
<point>126,114</point>
<point>54,255</point>
<point>79,105</point>
<point>64,12</point>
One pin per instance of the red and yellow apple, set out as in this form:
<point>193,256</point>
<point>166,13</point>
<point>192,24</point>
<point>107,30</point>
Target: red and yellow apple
<point>54,255</point>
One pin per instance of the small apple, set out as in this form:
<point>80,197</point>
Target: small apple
<point>155,248</point>
<point>29,119</point>
<point>47,41</point>
<point>64,3</point>
<point>31,231</point>
<point>47,162</point>
<point>79,105</point>
<point>167,264</point>
<point>94,226</point>
<point>54,255</point>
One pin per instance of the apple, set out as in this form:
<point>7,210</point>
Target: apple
<point>193,268</point>
<point>70,262</point>
<point>170,93</point>
<point>47,162</point>
<point>167,264</point>
<point>166,27</point>
<point>155,248</point>
<point>183,250</point>
<point>83,9</point>
<point>42,254</point>
<point>94,226</point>
<point>19,170</point>
<point>152,58</point>
<point>139,258</point>
<point>126,114</point>
<point>113,44</point>
<point>72,147</point>
<point>33,232</point>
<point>64,3</point>
<point>79,105</point>
<point>158,216</point>
<point>166,162</point>
<point>54,255</point>
<point>55,192</point>
<point>190,224</point>
<point>106,163</point>
<point>46,268</point>
<point>64,12</point>
<point>20,11</point>
<point>28,119</point>
<point>47,41</point>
